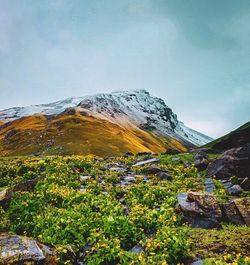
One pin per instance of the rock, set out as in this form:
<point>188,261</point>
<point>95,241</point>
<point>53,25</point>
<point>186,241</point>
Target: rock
<point>172,152</point>
<point>118,169</point>
<point>234,162</point>
<point>129,178</point>
<point>152,170</point>
<point>19,250</point>
<point>175,159</point>
<point>200,155</point>
<point>199,210</point>
<point>136,249</point>
<point>83,178</point>
<point>209,185</point>
<point>143,153</point>
<point>205,223</point>
<point>6,195</point>
<point>197,262</point>
<point>237,211</point>
<point>234,190</point>
<point>245,184</point>
<point>231,214</point>
<point>243,206</point>
<point>127,154</point>
<point>201,164</point>
<point>50,254</point>
<point>142,163</point>
<point>165,176</point>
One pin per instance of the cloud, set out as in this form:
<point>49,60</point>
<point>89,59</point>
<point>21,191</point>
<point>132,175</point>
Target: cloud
<point>194,54</point>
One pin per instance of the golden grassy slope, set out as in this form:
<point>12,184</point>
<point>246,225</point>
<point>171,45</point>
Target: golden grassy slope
<point>77,134</point>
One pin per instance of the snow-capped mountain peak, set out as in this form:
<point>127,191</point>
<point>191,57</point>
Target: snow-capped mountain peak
<point>125,108</point>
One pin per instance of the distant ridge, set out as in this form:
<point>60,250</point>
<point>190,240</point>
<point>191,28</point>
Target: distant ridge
<point>236,138</point>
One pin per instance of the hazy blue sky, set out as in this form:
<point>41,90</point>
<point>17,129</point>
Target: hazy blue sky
<point>195,54</point>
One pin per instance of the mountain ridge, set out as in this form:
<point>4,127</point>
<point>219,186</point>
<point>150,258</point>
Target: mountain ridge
<point>148,123</point>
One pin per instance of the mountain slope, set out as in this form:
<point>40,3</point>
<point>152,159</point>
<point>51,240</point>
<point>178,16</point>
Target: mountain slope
<point>102,124</point>
<point>236,138</point>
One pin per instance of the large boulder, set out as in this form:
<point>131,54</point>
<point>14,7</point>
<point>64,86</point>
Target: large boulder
<point>237,211</point>
<point>234,162</point>
<point>19,250</point>
<point>199,210</point>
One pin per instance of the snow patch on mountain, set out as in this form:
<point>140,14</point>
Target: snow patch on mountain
<point>126,108</point>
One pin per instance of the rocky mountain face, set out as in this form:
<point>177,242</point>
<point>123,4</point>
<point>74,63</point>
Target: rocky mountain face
<point>133,117</point>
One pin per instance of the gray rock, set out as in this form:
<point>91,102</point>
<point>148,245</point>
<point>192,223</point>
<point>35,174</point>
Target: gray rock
<point>245,184</point>
<point>129,178</point>
<point>234,190</point>
<point>201,164</point>
<point>136,249</point>
<point>237,211</point>
<point>209,185</point>
<point>234,162</point>
<point>199,210</point>
<point>83,178</point>
<point>149,161</point>
<point>205,223</point>
<point>118,169</point>
<point>197,262</point>
<point>165,176</point>
<point>201,154</point>
<point>19,250</point>
<point>152,170</point>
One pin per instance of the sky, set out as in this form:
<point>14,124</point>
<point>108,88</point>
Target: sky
<point>194,54</point>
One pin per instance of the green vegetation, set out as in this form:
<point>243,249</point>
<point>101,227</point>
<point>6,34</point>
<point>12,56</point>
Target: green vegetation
<point>106,219</point>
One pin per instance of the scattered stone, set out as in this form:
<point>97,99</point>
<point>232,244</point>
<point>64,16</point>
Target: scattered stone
<point>201,154</point>
<point>118,169</point>
<point>199,210</point>
<point>197,262</point>
<point>136,249</point>
<point>19,250</point>
<point>152,170</point>
<point>227,184</point>
<point>201,160</point>
<point>164,176</point>
<point>141,163</point>
<point>143,153</point>
<point>201,164</point>
<point>245,184</point>
<point>83,178</point>
<point>234,190</point>
<point>172,152</point>
<point>129,178</point>
<point>83,188</point>
<point>175,159</point>
<point>209,185</point>
<point>6,195</point>
<point>128,154</point>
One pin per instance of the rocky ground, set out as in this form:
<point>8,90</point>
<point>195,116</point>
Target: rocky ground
<point>191,208</point>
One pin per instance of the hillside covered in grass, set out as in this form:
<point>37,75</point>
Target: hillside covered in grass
<point>119,210</point>
<point>236,138</point>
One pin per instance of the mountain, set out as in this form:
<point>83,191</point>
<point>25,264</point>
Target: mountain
<point>236,138</point>
<point>102,124</point>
